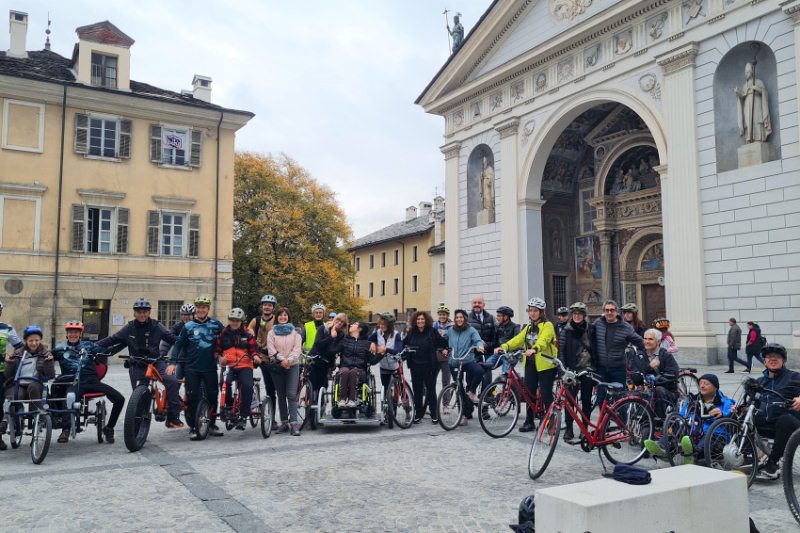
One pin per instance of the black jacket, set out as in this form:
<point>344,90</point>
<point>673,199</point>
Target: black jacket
<point>610,352</point>
<point>354,353</point>
<point>486,328</point>
<point>667,364</point>
<point>326,346</point>
<point>575,345</point>
<point>426,343</point>
<point>140,338</point>
<point>787,383</point>
<point>504,333</point>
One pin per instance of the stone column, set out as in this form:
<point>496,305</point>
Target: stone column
<point>507,203</point>
<point>684,270</point>
<point>605,263</point>
<point>792,9</point>
<point>452,250</point>
<point>532,280</point>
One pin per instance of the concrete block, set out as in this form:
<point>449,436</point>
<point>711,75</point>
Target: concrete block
<point>755,289</point>
<point>719,242</point>
<point>794,273</point>
<point>773,274</point>
<point>773,248</point>
<point>717,267</point>
<point>596,505</point>
<point>766,197</point>
<point>715,193</point>
<point>749,213</point>
<point>737,277</point>
<point>737,252</point>
<point>749,187</point>
<point>707,182</point>
<point>710,231</point>
<point>731,204</point>
<point>718,218</point>
<point>722,292</point>
<point>758,237</point>
<point>710,207</point>
<point>788,260</point>
<point>713,280</point>
<point>786,287</point>
<point>768,223</point>
<point>744,175</point>
<point>790,193</point>
<point>783,208</point>
<point>714,304</point>
<point>753,263</point>
<point>792,220</point>
<point>739,303</point>
<point>757,315</point>
<point>742,226</point>
<point>784,234</point>
<point>786,178</point>
<point>773,302</point>
<point>712,255</point>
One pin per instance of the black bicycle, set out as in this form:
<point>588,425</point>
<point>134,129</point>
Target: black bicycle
<point>450,404</point>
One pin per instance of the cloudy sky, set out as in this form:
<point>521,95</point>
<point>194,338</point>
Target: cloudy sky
<point>332,82</point>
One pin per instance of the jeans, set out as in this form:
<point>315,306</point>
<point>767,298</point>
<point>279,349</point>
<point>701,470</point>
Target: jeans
<point>733,358</point>
<point>117,400</point>
<point>286,387</point>
<point>535,379</point>
<point>137,374</point>
<point>474,374</point>
<point>424,377</point>
<point>750,360</point>
<point>244,379</point>
<point>444,368</point>
<point>492,359</point>
<point>782,428</point>
<point>269,385</point>
<point>198,385</point>
<point>585,387</point>
<point>617,374</point>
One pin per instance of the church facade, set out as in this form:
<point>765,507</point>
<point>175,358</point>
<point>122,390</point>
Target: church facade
<point>645,151</point>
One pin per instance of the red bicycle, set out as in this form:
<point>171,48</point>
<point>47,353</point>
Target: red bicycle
<point>500,402</point>
<point>620,430</point>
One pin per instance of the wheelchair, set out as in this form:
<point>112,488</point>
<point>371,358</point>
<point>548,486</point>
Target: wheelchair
<point>366,413</point>
<point>259,411</point>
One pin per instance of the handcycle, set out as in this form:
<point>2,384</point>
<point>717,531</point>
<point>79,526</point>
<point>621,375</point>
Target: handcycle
<point>398,403</point>
<point>449,404</point>
<point>499,404</point>
<point>644,386</point>
<point>259,411</point>
<point>620,430</point>
<point>363,414</point>
<point>735,443</point>
<point>17,412</point>
<point>791,474</point>
<point>687,420</point>
<point>688,382</point>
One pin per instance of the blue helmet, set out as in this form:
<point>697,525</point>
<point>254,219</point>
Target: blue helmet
<point>32,330</point>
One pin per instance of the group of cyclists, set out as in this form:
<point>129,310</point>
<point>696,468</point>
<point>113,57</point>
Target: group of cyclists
<point>613,347</point>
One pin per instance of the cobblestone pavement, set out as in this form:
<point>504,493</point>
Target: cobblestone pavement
<point>339,479</point>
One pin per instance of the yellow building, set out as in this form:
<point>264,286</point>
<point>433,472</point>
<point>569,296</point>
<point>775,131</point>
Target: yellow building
<point>110,189</point>
<point>393,265</point>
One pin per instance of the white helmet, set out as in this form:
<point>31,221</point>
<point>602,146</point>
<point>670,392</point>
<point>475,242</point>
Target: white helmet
<point>317,306</point>
<point>269,299</point>
<point>538,303</point>
<point>187,309</point>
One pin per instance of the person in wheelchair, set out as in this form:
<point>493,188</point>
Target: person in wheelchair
<point>37,364</point>
<point>772,418</point>
<point>355,359</point>
<point>658,362</point>
<point>68,355</point>
<point>236,348</point>
<point>713,405</point>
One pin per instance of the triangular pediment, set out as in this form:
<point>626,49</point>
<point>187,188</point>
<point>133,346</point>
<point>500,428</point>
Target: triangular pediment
<point>104,33</point>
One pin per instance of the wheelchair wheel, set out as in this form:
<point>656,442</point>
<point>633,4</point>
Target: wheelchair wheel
<point>137,418</point>
<point>14,428</point>
<point>100,419</point>
<point>304,403</point>
<point>202,421</point>
<point>255,415</point>
<point>449,407</point>
<point>266,418</point>
<point>688,383</point>
<point>402,402</point>
<point>40,441</point>
<point>675,428</point>
<point>729,446</point>
<point>322,405</point>
<point>790,473</point>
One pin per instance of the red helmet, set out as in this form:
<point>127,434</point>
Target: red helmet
<point>73,324</point>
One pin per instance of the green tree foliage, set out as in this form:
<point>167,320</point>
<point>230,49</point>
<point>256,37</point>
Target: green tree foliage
<point>289,239</point>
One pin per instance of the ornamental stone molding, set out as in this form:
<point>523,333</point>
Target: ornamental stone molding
<point>22,188</point>
<point>451,150</point>
<point>792,8</point>
<point>649,83</point>
<point>678,59</point>
<point>568,10</point>
<point>527,130</point>
<point>507,128</point>
<point>101,194</point>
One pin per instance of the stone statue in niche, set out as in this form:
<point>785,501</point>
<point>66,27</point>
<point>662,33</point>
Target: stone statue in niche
<point>618,187</point>
<point>632,183</point>
<point>752,108</point>
<point>487,185</point>
<point>556,248</point>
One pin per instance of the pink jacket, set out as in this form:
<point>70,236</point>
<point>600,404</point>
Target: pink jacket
<point>285,347</point>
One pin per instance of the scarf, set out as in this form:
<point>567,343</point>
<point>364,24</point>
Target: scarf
<point>283,329</point>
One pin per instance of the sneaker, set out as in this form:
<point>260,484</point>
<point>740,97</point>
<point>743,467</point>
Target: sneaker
<point>174,423</point>
<point>463,421</point>
<point>434,420</point>
<point>3,445</point>
<point>729,372</point>
<point>526,427</point>
<point>352,404</point>
<point>64,437</point>
<point>284,428</point>
<point>109,434</point>
<point>687,450</point>
<point>473,397</point>
<point>769,472</point>
<point>295,430</point>
<point>193,434</point>
<point>240,424</point>
<point>654,449</point>
<point>746,370</point>
<point>417,420</point>
<point>214,431</point>
<point>568,434</point>
<point>341,404</point>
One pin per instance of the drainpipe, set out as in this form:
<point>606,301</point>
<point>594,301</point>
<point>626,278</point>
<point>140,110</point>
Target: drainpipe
<point>54,312</point>
<point>403,278</point>
<point>216,215</point>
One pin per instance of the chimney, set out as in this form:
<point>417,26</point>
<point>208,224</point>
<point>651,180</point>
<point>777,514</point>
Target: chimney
<point>201,88</point>
<point>425,209</point>
<point>411,213</point>
<point>438,204</point>
<point>18,30</point>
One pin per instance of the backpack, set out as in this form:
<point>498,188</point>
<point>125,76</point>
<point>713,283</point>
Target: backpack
<point>763,341</point>
<point>632,475</point>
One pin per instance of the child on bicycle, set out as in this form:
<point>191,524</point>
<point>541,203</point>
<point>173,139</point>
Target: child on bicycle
<point>236,349</point>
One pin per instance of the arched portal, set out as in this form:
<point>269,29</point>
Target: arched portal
<point>599,196</point>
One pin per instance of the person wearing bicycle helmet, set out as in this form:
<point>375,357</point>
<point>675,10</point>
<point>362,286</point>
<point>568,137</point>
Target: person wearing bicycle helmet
<point>772,417</point>
<point>68,355</point>
<point>667,340</point>
<point>197,342</point>
<point>261,326</point>
<point>563,317</point>
<point>309,331</point>
<point>460,339</point>
<point>505,331</point>
<point>575,351</point>
<point>442,324</point>
<point>147,337</point>
<point>236,349</point>
<point>538,338</point>
<point>186,315</point>
<point>386,340</point>
<point>8,337</point>
<point>610,339</point>
<point>630,313</point>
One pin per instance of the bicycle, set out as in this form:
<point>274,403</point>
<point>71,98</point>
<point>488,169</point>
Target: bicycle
<point>791,474</point>
<point>622,427</point>
<point>734,443</point>
<point>398,403</point>
<point>687,420</point>
<point>305,393</point>
<point>449,404</point>
<point>688,382</point>
<point>499,404</point>
<point>644,386</point>
<point>259,410</point>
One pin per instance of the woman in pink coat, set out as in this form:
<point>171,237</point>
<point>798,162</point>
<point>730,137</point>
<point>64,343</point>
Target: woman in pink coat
<point>284,346</point>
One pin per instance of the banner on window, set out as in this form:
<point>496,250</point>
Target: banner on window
<point>173,140</point>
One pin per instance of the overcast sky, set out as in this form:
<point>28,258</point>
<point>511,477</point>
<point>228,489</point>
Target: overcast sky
<point>332,82</point>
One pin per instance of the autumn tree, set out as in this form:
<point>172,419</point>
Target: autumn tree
<point>289,239</point>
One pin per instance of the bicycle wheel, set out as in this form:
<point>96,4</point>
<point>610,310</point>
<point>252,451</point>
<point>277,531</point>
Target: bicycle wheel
<point>402,402</point>
<point>498,409</point>
<point>40,441</point>
<point>628,424</point>
<point>100,419</point>
<point>304,404</point>
<point>449,407</point>
<point>266,418</point>
<point>688,384</point>
<point>255,414</point>
<point>202,420</point>
<point>544,444</point>
<point>675,428</point>
<point>322,405</point>
<point>791,474</point>
<point>729,446</point>
<point>14,428</point>
<point>137,418</point>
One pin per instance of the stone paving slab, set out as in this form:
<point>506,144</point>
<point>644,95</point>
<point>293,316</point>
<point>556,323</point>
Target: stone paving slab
<point>340,479</point>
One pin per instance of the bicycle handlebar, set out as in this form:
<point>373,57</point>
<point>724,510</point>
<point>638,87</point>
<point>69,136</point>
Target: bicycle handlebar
<point>471,349</point>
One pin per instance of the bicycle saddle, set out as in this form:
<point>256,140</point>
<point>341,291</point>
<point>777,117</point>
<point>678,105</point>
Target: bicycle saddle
<point>611,386</point>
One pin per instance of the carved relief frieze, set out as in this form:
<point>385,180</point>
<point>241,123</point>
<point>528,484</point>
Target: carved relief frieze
<point>568,10</point>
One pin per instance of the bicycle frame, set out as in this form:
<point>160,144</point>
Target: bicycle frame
<point>516,381</point>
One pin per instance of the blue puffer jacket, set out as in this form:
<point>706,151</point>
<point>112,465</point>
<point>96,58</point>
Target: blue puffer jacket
<point>69,359</point>
<point>196,344</point>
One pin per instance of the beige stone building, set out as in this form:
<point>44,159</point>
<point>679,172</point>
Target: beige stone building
<point>394,265</point>
<point>110,189</point>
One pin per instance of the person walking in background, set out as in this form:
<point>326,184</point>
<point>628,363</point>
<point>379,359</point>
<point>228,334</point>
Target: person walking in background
<point>734,344</point>
<point>753,345</point>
